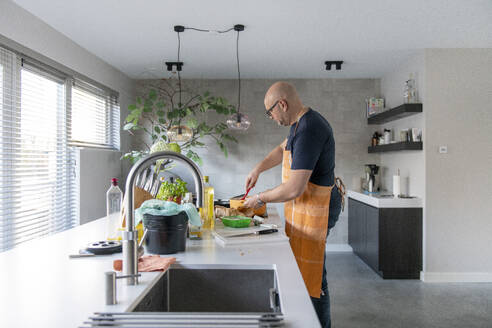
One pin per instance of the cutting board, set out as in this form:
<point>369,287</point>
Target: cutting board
<point>221,234</point>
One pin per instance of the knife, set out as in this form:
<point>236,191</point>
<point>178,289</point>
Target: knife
<point>259,232</point>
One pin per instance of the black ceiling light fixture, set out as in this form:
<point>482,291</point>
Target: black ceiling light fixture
<point>337,63</point>
<point>238,121</point>
<point>179,65</point>
<point>178,133</point>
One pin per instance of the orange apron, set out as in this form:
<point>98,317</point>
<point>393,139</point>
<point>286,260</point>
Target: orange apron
<point>306,224</point>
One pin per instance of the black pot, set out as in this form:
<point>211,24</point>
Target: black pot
<point>222,202</point>
<point>166,234</point>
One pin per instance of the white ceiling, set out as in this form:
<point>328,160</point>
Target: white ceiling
<point>282,38</point>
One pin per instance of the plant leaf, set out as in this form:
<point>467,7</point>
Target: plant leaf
<point>157,129</point>
<point>229,138</point>
<point>129,126</point>
<point>152,94</point>
<point>192,123</point>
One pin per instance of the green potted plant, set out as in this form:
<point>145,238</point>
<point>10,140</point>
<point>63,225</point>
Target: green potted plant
<point>172,191</point>
<point>165,109</point>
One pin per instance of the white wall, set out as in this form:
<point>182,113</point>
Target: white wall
<point>94,183</point>
<point>410,163</point>
<point>26,33</point>
<point>458,113</point>
<point>455,87</point>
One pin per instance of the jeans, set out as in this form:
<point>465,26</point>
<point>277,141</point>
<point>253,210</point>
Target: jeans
<point>322,304</point>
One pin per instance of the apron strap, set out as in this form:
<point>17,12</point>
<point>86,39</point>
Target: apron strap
<point>341,189</point>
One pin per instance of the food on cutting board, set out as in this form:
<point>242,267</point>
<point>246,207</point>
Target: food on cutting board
<point>237,202</point>
<point>221,211</point>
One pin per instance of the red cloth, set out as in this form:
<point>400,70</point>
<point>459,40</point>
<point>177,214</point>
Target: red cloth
<point>148,263</point>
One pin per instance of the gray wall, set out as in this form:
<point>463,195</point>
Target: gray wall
<point>459,183</point>
<point>341,101</point>
<point>26,33</point>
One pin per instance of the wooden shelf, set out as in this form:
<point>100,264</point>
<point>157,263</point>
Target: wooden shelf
<point>395,147</point>
<point>395,113</point>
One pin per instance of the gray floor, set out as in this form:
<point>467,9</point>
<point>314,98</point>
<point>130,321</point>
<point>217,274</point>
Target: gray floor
<point>360,298</point>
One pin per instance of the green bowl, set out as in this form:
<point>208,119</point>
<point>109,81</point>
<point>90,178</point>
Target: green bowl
<point>236,221</point>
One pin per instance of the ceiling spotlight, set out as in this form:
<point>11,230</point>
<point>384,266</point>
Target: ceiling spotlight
<point>178,64</point>
<point>337,63</point>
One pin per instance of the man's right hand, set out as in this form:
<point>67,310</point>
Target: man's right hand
<point>252,178</point>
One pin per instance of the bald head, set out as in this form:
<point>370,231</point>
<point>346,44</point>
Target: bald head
<point>282,90</point>
<point>289,105</point>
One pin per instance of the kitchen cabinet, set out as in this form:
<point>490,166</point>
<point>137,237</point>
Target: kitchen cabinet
<point>389,240</point>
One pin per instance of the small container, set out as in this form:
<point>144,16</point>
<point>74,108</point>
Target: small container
<point>166,234</point>
<point>403,135</point>
<point>416,134</point>
<point>387,136</point>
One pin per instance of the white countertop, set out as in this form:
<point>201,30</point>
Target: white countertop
<point>41,287</point>
<point>377,201</point>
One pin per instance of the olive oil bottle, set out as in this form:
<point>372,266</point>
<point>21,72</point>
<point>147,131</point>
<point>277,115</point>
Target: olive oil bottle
<point>208,205</point>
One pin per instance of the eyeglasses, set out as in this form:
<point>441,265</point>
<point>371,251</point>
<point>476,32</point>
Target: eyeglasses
<point>268,113</point>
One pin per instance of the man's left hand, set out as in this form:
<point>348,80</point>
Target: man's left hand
<point>251,202</point>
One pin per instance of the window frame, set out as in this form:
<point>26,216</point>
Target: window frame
<point>51,70</point>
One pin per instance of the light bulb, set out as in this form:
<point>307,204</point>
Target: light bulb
<point>238,121</point>
<point>179,133</point>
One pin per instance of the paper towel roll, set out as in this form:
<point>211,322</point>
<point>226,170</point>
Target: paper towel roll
<point>396,185</point>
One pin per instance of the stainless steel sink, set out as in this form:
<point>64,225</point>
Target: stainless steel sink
<point>219,296</point>
<point>213,289</point>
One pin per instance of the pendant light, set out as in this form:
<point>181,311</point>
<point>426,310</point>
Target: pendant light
<point>238,121</point>
<point>179,133</point>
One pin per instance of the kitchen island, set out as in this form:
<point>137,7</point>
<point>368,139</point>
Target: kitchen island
<point>41,287</point>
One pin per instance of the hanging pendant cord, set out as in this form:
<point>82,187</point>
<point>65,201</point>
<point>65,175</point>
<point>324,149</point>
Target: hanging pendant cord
<point>179,75</point>
<point>239,79</point>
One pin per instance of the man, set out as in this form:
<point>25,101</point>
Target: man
<point>312,201</point>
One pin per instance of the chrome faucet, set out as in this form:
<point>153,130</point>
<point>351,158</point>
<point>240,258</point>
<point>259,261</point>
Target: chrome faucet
<point>130,247</point>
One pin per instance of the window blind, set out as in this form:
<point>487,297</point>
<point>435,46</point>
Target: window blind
<point>95,119</point>
<point>36,169</point>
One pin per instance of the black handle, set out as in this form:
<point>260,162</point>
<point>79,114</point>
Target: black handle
<point>266,231</point>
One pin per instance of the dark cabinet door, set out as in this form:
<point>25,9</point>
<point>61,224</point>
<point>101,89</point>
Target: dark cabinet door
<point>401,240</point>
<point>372,237</point>
<point>357,227</point>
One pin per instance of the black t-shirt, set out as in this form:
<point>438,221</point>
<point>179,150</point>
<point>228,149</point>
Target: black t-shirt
<point>313,148</point>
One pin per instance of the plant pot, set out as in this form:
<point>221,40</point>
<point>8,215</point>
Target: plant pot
<point>177,200</point>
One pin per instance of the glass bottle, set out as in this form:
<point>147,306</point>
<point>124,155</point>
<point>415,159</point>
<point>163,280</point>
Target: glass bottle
<point>208,205</point>
<point>410,92</point>
<point>114,197</point>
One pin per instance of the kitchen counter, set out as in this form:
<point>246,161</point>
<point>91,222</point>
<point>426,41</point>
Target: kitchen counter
<point>41,287</point>
<point>376,200</point>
